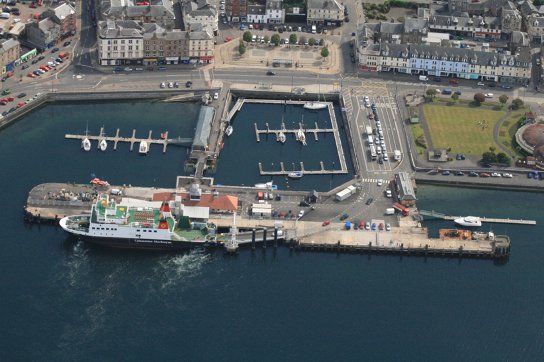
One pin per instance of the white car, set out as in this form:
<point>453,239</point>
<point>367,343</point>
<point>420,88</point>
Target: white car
<point>507,175</point>
<point>170,85</point>
<point>300,214</point>
<point>163,85</point>
<point>489,95</point>
<point>380,182</point>
<point>481,84</point>
<point>216,95</point>
<point>385,157</point>
<point>388,193</point>
<point>495,174</point>
<point>388,227</point>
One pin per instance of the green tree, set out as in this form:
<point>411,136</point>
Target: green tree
<point>247,36</point>
<point>517,104</point>
<point>489,157</point>
<point>266,39</point>
<point>503,159</point>
<point>324,52</point>
<point>242,48</point>
<point>503,99</point>
<point>311,41</point>
<point>275,39</point>
<point>479,98</point>
<point>431,92</point>
<point>321,42</point>
<point>455,97</point>
<point>293,38</point>
<point>538,2</point>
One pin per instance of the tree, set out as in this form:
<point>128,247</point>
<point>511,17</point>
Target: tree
<point>479,98</point>
<point>266,39</point>
<point>242,48</point>
<point>311,41</point>
<point>455,97</point>
<point>538,2</point>
<point>293,38</point>
<point>275,39</point>
<point>503,159</point>
<point>517,104</point>
<point>247,36</point>
<point>489,157</point>
<point>324,52</point>
<point>431,92</point>
<point>503,99</point>
<point>321,42</point>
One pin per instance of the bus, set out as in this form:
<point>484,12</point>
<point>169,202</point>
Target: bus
<point>373,153</point>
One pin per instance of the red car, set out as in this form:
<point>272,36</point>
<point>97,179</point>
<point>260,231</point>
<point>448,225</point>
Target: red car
<point>44,68</point>
<point>31,75</point>
<point>7,99</point>
<point>326,222</point>
<point>362,225</point>
<point>485,174</point>
<point>381,226</point>
<point>20,104</point>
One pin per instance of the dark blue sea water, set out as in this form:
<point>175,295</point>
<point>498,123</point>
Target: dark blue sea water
<point>70,302</point>
<point>242,151</point>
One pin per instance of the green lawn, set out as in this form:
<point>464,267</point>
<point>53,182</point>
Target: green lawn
<point>417,132</point>
<point>508,129</point>
<point>465,130</point>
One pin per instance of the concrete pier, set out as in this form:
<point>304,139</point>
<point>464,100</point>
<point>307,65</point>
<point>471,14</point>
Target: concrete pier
<point>133,139</point>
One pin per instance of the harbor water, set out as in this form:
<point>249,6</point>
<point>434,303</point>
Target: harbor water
<point>63,301</point>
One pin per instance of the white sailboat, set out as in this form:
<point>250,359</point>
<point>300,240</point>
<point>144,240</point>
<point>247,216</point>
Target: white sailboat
<point>295,174</point>
<point>281,137</point>
<point>85,143</point>
<point>315,105</point>
<point>143,148</point>
<point>300,135</point>
<point>103,145</point>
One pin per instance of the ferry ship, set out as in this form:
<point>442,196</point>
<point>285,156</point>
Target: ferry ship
<point>138,224</point>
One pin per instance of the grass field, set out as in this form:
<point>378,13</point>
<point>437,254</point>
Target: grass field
<point>465,130</point>
<point>508,129</point>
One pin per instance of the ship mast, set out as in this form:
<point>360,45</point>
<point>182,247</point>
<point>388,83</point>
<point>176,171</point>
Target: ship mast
<point>231,245</point>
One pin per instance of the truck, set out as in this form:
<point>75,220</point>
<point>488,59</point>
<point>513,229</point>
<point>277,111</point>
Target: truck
<point>116,192</point>
<point>423,78</point>
<point>402,209</point>
<point>396,155</point>
<point>373,154</point>
<point>345,193</point>
<point>390,211</point>
<point>368,130</point>
<point>370,140</point>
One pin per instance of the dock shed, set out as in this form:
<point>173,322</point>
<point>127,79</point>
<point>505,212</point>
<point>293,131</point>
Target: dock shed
<point>405,189</point>
<point>203,128</point>
<point>263,210</point>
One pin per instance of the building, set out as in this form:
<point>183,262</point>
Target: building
<point>217,203</point>
<point>274,12</point>
<point>511,20</point>
<point>477,26</point>
<point>120,42</point>
<point>201,46</point>
<point>200,15</point>
<point>203,128</point>
<point>535,28</point>
<point>442,61</point>
<point>65,16</point>
<point>164,47</point>
<point>256,13</point>
<point>10,51</point>
<point>42,34</point>
<point>405,189</point>
<point>236,10</point>
<point>325,12</point>
<point>155,11</point>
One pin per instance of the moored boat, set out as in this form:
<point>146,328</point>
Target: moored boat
<point>103,145</point>
<point>469,221</point>
<point>139,224</point>
<point>315,105</point>
<point>281,137</point>
<point>229,130</point>
<point>144,148</point>
<point>86,144</point>
<point>295,174</point>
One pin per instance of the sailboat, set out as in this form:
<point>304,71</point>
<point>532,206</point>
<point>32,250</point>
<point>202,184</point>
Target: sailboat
<point>103,145</point>
<point>300,136</point>
<point>315,105</point>
<point>281,135</point>
<point>85,143</point>
<point>295,174</point>
<point>143,148</point>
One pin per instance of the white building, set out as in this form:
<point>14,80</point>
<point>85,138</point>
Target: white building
<point>120,42</point>
<point>275,14</point>
<point>256,13</point>
<point>200,14</point>
<point>325,11</point>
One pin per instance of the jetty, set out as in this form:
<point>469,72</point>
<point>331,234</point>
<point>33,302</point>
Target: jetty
<point>284,172</point>
<point>164,141</point>
<point>439,215</point>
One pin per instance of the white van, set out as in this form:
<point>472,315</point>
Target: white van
<point>4,16</point>
<point>370,140</point>
<point>314,30</point>
<point>378,150</point>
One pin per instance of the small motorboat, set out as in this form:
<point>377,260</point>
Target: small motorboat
<point>103,145</point>
<point>229,130</point>
<point>86,144</point>
<point>99,182</point>
<point>295,174</point>
<point>281,137</point>
<point>143,148</point>
<point>164,135</point>
<point>470,221</point>
<point>315,105</point>
<point>301,137</point>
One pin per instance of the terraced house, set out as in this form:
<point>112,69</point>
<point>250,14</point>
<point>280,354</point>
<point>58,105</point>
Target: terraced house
<point>325,12</point>
<point>442,61</point>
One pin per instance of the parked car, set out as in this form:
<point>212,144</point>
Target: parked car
<point>344,217</point>
<point>473,174</point>
<point>458,173</point>
<point>21,95</point>
<point>445,173</point>
<point>495,174</point>
<point>188,84</point>
<point>369,200</point>
<point>507,175</point>
<point>481,84</point>
<point>66,43</point>
<point>489,95</point>
<point>163,85</point>
<point>388,227</point>
<point>270,73</point>
<point>54,50</point>
<point>485,174</point>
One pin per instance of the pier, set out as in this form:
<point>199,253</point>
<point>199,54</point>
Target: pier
<point>284,172</point>
<point>439,215</point>
<point>133,139</point>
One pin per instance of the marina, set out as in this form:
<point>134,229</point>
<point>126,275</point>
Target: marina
<point>144,143</point>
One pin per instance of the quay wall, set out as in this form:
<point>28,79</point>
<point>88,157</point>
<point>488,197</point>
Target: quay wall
<point>520,184</point>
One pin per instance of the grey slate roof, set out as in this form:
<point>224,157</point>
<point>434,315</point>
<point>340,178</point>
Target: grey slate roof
<point>461,21</point>
<point>324,4</point>
<point>203,126</point>
<point>458,54</point>
<point>112,29</point>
